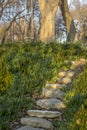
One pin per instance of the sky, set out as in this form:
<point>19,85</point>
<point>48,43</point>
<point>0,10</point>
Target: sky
<point>82,1</point>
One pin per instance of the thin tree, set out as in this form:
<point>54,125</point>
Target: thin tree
<point>70,27</point>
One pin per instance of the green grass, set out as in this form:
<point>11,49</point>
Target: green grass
<point>75,115</point>
<point>24,70</point>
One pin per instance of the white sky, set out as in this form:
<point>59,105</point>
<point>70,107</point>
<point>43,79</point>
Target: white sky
<point>82,1</point>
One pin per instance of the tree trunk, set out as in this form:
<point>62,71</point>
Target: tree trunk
<point>31,22</point>
<point>47,28</point>
<point>70,27</point>
<point>25,23</point>
<point>48,11</point>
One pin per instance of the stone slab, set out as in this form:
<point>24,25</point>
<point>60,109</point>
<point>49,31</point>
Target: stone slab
<point>29,128</point>
<point>37,122</point>
<point>66,80</point>
<point>54,86</point>
<point>50,93</point>
<point>70,74</point>
<point>66,74</point>
<point>44,113</point>
<point>62,73</point>
<point>52,103</point>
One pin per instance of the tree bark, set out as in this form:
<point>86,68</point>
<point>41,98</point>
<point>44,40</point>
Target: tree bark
<point>48,11</point>
<point>70,27</point>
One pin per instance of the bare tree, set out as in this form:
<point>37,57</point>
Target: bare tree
<point>9,13</point>
<point>19,18</point>
<point>79,13</point>
<point>70,27</point>
<point>9,26</point>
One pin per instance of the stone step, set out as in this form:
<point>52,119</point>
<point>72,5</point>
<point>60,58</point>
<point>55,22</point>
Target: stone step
<point>29,128</point>
<point>37,122</point>
<point>52,103</point>
<point>71,74</point>
<point>68,73</point>
<point>62,73</point>
<point>50,93</point>
<point>78,63</point>
<point>44,113</point>
<point>66,80</point>
<point>54,86</point>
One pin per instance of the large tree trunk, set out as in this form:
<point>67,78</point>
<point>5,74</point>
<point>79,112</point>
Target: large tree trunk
<point>48,10</point>
<point>70,27</point>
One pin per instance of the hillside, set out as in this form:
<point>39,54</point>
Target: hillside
<point>26,68</point>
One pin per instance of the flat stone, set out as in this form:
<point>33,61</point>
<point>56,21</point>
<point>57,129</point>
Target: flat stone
<point>62,73</point>
<point>37,122</point>
<point>52,103</point>
<point>50,93</point>
<point>66,80</point>
<point>70,74</point>
<point>29,128</point>
<point>78,63</point>
<point>54,86</point>
<point>44,114</point>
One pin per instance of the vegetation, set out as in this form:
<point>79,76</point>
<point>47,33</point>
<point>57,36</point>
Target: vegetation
<point>69,23</point>
<point>24,70</point>
<point>75,115</point>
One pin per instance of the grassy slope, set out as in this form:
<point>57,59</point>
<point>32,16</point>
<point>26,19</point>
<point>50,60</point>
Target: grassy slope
<point>75,115</point>
<point>24,70</point>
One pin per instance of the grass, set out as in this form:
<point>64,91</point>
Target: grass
<point>75,115</point>
<point>24,70</point>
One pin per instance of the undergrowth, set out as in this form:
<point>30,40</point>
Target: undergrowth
<point>75,115</point>
<point>24,70</point>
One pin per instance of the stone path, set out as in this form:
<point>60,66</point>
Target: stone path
<point>52,103</point>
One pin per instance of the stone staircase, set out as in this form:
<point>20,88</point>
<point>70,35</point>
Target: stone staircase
<point>51,104</point>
